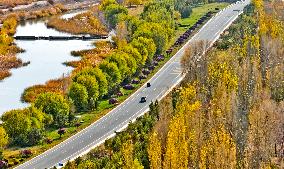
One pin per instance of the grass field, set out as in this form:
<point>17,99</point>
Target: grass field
<point>199,11</point>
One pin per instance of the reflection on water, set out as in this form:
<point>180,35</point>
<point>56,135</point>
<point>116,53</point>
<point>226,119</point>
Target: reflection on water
<point>46,59</point>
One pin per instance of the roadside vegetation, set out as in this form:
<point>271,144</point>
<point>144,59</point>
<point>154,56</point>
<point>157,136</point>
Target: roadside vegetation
<point>104,77</point>
<point>227,113</point>
<point>198,11</point>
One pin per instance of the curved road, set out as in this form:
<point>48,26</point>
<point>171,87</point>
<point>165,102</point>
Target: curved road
<point>161,83</point>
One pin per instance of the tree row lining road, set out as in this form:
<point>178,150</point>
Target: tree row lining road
<point>161,83</point>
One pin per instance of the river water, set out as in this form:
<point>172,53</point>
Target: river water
<point>46,62</point>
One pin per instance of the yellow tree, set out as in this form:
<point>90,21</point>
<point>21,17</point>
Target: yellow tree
<point>3,138</point>
<point>155,151</point>
<point>176,156</point>
<point>189,107</point>
<point>127,154</point>
<point>219,152</point>
<point>133,2</point>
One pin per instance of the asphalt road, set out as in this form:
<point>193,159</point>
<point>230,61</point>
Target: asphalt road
<point>164,80</point>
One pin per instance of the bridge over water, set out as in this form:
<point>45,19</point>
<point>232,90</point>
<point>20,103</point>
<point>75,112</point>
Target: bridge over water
<point>61,38</point>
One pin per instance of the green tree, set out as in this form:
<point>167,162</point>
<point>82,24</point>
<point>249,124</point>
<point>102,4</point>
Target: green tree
<point>54,104</point>
<point>131,64</point>
<point>119,60</point>
<point>160,12</point>
<point>155,31</point>
<point>112,73</point>
<point>132,23</point>
<point>91,85</point>
<point>106,3</point>
<point>79,95</point>
<point>133,53</point>
<point>38,118</point>
<point>35,136</point>
<point>146,47</point>
<point>21,124</point>
<point>113,12</point>
<point>183,7</point>
<point>16,123</point>
<point>100,78</point>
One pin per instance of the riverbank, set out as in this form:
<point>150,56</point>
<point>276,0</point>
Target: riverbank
<point>89,58</point>
<point>10,20</point>
<point>8,49</point>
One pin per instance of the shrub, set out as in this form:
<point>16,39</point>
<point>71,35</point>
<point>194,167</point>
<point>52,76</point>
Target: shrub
<point>128,87</point>
<point>61,131</point>
<point>135,81</point>
<point>48,140</point>
<point>3,164</point>
<point>112,101</point>
<point>26,153</point>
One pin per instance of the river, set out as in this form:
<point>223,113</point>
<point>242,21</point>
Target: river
<point>46,62</point>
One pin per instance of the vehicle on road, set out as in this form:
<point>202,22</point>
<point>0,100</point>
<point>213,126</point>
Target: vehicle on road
<point>143,100</point>
<point>148,84</point>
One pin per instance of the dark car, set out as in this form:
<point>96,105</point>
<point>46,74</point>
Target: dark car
<point>143,100</point>
<point>148,84</point>
<point>60,164</point>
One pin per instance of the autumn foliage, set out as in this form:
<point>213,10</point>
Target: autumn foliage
<point>85,23</point>
<point>12,3</point>
<point>57,86</point>
<point>227,113</point>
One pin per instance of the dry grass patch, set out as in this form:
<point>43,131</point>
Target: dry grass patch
<point>276,7</point>
<point>13,3</point>
<point>135,11</point>
<point>57,86</point>
<point>84,23</point>
<point>8,62</point>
